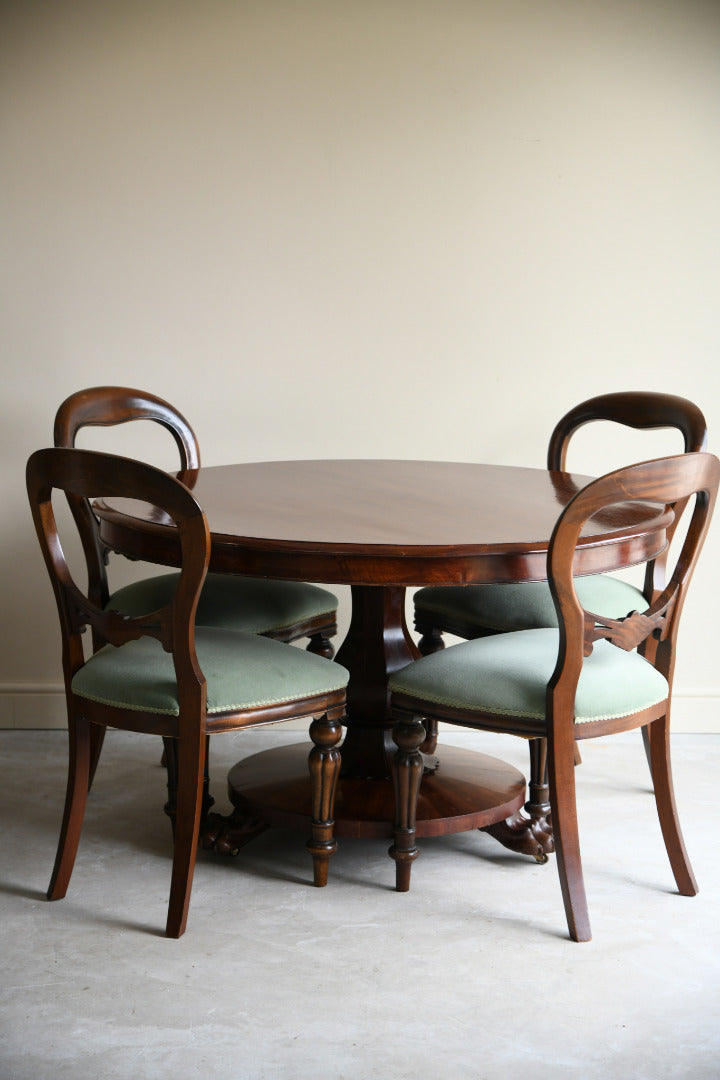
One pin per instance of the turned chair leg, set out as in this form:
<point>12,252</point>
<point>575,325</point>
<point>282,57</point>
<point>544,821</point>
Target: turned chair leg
<point>659,739</point>
<point>567,840</point>
<point>537,808</point>
<point>429,745</point>
<point>431,640</point>
<point>324,765</point>
<point>321,645</point>
<point>170,761</point>
<point>78,782</point>
<point>407,770</point>
<point>537,805</point>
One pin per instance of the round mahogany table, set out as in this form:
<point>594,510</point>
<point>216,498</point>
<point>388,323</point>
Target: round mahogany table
<point>380,526</point>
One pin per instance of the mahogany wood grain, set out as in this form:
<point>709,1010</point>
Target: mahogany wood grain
<point>380,526</point>
<point>387,522</point>
<point>111,406</point>
<point>469,791</point>
<point>641,410</point>
<point>84,475</point>
<point>671,481</point>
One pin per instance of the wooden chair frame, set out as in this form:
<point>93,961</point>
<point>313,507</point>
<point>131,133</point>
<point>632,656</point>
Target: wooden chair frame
<point>643,411</point>
<point>84,475</point>
<point>673,481</point>
<point>109,406</point>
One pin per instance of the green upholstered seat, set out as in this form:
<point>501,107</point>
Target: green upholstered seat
<point>526,605</point>
<point>507,674</point>
<point>255,605</point>
<point>243,671</point>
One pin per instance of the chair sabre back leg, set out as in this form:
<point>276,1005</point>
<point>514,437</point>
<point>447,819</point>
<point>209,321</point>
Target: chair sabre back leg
<point>561,775</point>
<point>78,783</point>
<point>659,738</point>
<point>191,769</point>
<point>97,738</point>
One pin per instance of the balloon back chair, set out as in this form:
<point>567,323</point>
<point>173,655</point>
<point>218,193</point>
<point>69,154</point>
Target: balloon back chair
<point>160,673</point>
<point>474,611</point>
<point>283,610</point>
<point>591,675</point>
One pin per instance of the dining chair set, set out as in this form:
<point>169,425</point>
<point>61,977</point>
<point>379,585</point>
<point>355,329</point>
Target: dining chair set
<point>191,653</point>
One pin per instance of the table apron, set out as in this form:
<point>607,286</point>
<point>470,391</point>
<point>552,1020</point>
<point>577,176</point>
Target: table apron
<point>374,567</point>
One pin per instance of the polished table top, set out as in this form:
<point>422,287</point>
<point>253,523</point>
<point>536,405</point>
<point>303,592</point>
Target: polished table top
<point>372,523</point>
<point>387,522</point>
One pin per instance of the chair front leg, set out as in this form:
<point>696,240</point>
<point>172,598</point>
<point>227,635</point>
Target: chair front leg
<point>190,773</point>
<point>97,738</point>
<point>324,765</point>
<point>659,738</point>
<point>407,770</point>
<point>321,645</point>
<point>169,760</point>
<point>561,770</point>
<point>78,783</point>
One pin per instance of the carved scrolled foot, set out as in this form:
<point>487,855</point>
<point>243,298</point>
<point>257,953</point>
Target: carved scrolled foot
<point>407,771</point>
<point>529,831</point>
<point>324,765</point>
<point>227,835</point>
<point>526,835</point>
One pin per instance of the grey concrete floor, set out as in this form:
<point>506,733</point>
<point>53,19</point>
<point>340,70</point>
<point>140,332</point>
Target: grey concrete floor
<point>469,975</point>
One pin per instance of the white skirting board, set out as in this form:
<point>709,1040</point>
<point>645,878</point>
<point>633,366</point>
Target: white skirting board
<point>30,706</point>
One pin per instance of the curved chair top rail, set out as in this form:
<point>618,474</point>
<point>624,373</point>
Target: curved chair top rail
<point>668,480</point>
<point>89,474</point>
<point>105,406</point>
<point>636,409</point>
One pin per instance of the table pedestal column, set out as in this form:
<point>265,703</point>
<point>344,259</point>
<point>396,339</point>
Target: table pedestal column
<point>460,790</point>
<point>377,645</point>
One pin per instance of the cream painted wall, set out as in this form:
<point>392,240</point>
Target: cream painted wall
<point>354,228</point>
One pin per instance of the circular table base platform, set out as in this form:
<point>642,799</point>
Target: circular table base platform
<point>467,791</point>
